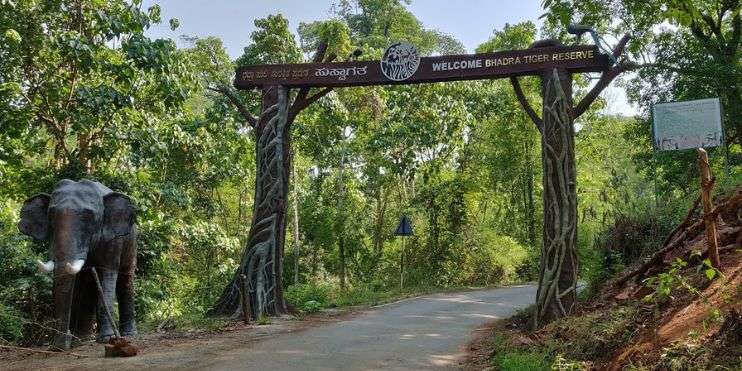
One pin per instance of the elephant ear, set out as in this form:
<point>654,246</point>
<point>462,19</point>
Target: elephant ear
<point>118,215</point>
<point>35,217</point>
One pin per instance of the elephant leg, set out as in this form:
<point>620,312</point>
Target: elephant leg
<point>64,285</point>
<point>108,280</point>
<point>86,301</point>
<point>125,295</point>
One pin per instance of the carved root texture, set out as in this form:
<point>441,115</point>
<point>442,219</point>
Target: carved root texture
<point>261,262</point>
<point>558,266</point>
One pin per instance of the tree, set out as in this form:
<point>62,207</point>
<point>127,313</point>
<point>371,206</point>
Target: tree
<point>698,56</point>
<point>80,71</point>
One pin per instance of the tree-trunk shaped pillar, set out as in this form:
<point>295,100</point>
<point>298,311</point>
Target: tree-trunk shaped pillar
<point>557,286</point>
<point>262,259</point>
<point>262,263</point>
<point>558,266</point>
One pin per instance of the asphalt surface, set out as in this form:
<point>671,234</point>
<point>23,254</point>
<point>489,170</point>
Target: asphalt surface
<point>423,333</point>
<point>428,332</point>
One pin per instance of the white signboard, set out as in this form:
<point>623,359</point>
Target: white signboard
<point>689,124</point>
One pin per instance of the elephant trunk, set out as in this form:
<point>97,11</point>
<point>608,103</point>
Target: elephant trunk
<point>64,285</point>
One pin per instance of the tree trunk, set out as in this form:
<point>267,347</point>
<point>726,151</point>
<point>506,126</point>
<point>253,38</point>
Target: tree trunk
<point>296,225</point>
<point>381,203</point>
<point>530,205</point>
<point>341,220</point>
<point>341,251</point>
<point>261,261</point>
<point>707,185</point>
<point>558,266</point>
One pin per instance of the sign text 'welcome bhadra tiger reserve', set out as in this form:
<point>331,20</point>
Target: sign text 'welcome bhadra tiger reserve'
<point>401,65</point>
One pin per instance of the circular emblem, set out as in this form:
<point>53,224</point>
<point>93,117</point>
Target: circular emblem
<point>400,61</point>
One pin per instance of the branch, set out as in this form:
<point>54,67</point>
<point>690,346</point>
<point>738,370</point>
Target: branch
<point>524,103</point>
<point>317,96</point>
<point>606,78</point>
<point>301,102</point>
<point>736,31</point>
<point>730,204</point>
<point>679,70</point>
<point>235,100</point>
<point>618,50</point>
<point>604,81</point>
<point>303,92</point>
<point>320,53</point>
<point>704,39</point>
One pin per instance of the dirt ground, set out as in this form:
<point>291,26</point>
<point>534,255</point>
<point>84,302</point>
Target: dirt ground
<point>160,346</point>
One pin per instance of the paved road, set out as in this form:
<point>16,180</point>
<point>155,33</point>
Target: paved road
<point>422,333</point>
<point>429,332</point>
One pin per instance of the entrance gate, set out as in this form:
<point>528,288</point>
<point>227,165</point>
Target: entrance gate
<point>555,63</point>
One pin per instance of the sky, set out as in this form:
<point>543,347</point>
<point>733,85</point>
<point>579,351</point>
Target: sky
<point>470,21</point>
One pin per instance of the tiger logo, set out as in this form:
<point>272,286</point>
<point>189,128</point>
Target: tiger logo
<point>400,61</point>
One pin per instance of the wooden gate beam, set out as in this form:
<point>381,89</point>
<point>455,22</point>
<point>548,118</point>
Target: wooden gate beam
<point>575,59</point>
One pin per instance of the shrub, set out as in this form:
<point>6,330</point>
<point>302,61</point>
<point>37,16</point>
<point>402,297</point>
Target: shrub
<point>185,276</point>
<point>312,306</point>
<point>25,295</point>
<point>11,324</point>
<point>496,259</point>
<point>299,295</point>
<point>361,294</point>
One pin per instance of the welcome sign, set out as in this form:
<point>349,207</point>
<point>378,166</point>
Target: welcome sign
<point>402,65</point>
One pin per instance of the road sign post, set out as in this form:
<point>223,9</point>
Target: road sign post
<point>404,229</point>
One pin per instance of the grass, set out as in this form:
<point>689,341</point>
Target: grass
<point>185,323</point>
<point>263,320</point>
<point>366,295</point>
<point>567,344</point>
<point>508,357</point>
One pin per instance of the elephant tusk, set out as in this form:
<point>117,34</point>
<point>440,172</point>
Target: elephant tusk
<point>45,267</point>
<point>75,266</point>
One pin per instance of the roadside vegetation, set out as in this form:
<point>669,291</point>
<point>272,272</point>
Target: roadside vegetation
<point>678,312</point>
<point>682,314</point>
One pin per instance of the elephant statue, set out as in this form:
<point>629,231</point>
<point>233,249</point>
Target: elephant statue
<point>86,225</point>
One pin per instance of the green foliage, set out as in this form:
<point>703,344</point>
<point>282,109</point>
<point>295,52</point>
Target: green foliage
<point>25,296</point>
<point>697,58</point>
<point>492,259</point>
<point>311,306</point>
<point>11,324</point>
<point>308,297</point>
<point>569,343</point>
<point>506,357</point>
<point>518,36</point>
<point>272,43</point>
<point>333,32</point>
<point>595,335</point>
<point>665,283</point>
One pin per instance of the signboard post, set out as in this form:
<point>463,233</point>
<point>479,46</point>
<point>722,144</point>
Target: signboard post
<point>404,229</point>
<point>686,125</point>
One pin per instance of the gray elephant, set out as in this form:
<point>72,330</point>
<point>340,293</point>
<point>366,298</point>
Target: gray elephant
<point>86,225</point>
